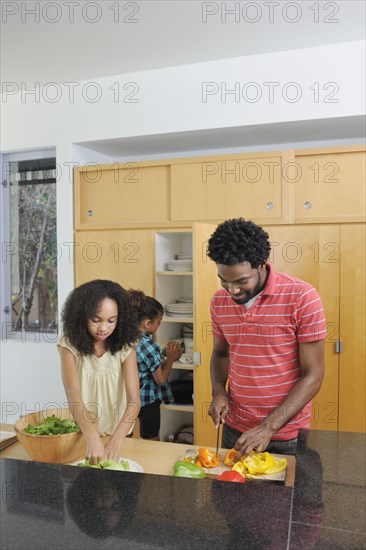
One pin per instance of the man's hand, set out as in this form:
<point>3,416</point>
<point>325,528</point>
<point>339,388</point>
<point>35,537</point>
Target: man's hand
<point>256,439</point>
<point>219,408</point>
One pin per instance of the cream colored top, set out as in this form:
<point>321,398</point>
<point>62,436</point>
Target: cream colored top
<point>101,384</point>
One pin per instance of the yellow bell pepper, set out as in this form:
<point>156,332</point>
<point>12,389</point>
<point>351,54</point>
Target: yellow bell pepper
<point>280,465</point>
<point>260,463</point>
<point>239,467</point>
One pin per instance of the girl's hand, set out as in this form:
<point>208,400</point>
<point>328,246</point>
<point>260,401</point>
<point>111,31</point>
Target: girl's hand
<point>94,449</point>
<point>113,449</point>
<point>173,351</point>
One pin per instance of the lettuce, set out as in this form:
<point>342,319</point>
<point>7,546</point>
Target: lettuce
<point>53,425</point>
<point>107,465</point>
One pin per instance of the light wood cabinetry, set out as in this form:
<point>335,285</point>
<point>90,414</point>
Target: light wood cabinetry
<point>119,255</point>
<point>352,383</point>
<point>228,186</point>
<point>206,283</point>
<point>312,253</point>
<point>110,195</point>
<point>330,185</point>
<point>293,186</point>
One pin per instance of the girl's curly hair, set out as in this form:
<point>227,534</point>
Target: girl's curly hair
<point>82,304</point>
<point>146,307</point>
<point>237,240</point>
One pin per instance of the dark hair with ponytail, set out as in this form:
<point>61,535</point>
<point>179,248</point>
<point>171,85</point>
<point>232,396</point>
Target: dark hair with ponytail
<point>145,307</point>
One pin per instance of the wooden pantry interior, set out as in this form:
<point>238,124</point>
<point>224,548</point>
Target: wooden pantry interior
<point>132,218</point>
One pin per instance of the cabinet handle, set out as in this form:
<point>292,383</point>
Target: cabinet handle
<point>90,212</point>
<point>307,205</point>
<point>269,205</point>
<point>339,346</point>
<point>196,358</point>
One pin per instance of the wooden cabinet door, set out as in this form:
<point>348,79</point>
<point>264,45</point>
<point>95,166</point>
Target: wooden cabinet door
<point>330,186</point>
<point>107,196</point>
<point>205,284</point>
<point>352,386</point>
<point>312,253</point>
<point>122,256</point>
<point>223,187</point>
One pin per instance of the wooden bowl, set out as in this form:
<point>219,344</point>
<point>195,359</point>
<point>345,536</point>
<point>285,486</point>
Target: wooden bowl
<point>57,449</point>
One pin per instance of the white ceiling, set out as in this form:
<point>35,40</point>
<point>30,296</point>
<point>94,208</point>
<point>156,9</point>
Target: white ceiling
<point>264,137</point>
<point>165,33</point>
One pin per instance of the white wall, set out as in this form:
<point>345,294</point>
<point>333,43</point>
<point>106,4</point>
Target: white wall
<point>168,100</point>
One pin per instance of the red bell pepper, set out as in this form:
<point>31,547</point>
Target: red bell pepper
<point>232,475</point>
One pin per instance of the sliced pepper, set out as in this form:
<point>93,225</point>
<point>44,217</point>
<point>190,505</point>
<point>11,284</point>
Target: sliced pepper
<point>208,458</point>
<point>231,475</point>
<point>229,457</point>
<point>259,463</point>
<point>280,465</point>
<point>240,468</point>
<point>187,469</point>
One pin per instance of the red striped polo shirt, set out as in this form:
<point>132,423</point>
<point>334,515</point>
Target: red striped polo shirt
<point>264,361</point>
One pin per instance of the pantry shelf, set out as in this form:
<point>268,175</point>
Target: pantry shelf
<point>176,407</point>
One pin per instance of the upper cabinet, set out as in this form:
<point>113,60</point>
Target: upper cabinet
<point>118,194</point>
<point>329,185</point>
<point>280,187</point>
<point>216,188</point>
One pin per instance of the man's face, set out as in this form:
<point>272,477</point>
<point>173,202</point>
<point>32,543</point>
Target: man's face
<point>242,281</point>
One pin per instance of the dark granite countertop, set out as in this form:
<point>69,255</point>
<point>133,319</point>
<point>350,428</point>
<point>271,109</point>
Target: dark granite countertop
<point>55,506</point>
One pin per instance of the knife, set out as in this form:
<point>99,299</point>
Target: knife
<point>217,441</point>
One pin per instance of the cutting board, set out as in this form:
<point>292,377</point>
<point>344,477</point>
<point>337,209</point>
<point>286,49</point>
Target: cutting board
<point>287,477</point>
<point>7,438</point>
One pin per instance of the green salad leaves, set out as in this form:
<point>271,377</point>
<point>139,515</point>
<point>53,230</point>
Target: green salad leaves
<point>107,465</point>
<point>53,426</point>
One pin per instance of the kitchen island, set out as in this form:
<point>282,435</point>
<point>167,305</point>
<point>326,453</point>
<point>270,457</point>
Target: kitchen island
<point>61,506</point>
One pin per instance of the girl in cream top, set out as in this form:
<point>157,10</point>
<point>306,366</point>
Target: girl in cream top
<point>99,368</point>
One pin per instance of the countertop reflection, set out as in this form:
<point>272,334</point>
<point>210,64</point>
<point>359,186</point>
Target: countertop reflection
<point>59,506</point>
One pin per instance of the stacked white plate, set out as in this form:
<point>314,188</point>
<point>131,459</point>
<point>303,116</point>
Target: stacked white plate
<point>179,310</point>
<point>180,265</point>
<point>187,330</point>
<point>183,256</point>
<point>183,300</point>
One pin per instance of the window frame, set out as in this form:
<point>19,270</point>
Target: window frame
<point>5,265</point>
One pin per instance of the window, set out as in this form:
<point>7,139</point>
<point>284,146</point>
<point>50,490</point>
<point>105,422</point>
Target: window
<point>29,244</point>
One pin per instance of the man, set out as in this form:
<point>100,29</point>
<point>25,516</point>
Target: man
<point>268,332</point>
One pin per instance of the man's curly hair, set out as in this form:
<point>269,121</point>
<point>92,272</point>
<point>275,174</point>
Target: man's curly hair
<point>237,240</point>
<point>82,304</point>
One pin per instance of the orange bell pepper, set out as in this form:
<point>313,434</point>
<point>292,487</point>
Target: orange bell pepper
<point>229,457</point>
<point>207,458</point>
